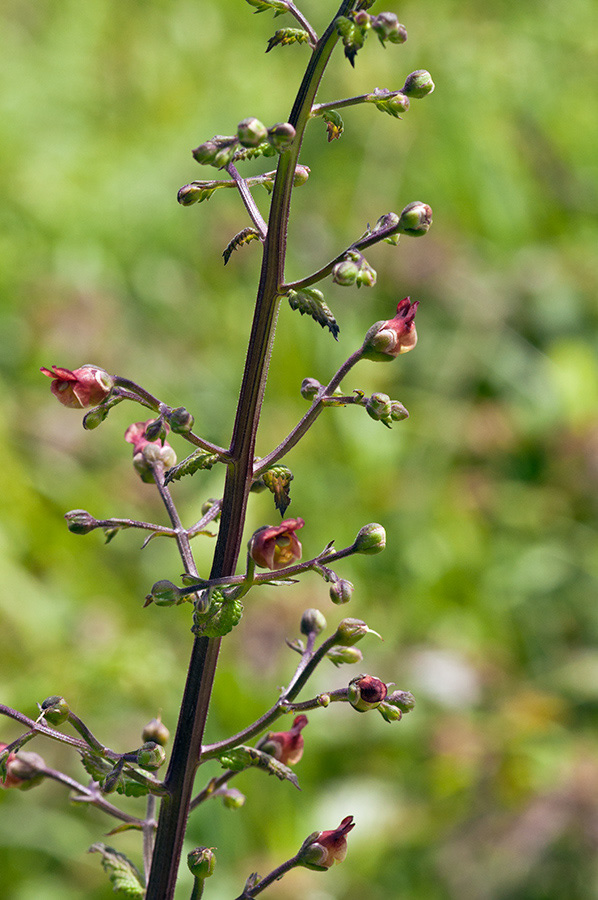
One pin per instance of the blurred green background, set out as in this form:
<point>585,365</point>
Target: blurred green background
<point>486,595</point>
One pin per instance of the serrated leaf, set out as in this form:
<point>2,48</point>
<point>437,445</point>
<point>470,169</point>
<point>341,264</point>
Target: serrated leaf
<point>263,149</point>
<point>199,459</point>
<point>95,766</point>
<point>219,618</point>
<point>128,787</point>
<point>334,124</point>
<point>279,6</point>
<point>243,757</point>
<point>123,874</point>
<point>239,240</point>
<point>286,36</point>
<point>310,301</point>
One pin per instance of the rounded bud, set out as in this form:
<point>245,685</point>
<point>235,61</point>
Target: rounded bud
<point>345,272</point>
<point>251,132</point>
<point>403,700</point>
<point>345,655</point>
<point>95,417</point>
<point>366,692</point>
<point>164,593</point>
<point>399,103</point>
<point>309,388</point>
<point>312,622</point>
<point>302,173</point>
<point>55,709</point>
<point>189,194</point>
<point>350,631</point>
<point>156,731</point>
<point>390,713</point>
<point>415,219</point>
<point>209,503</point>
<point>370,539</point>
<point>388,28</point>
<point>398,411</point>
<point>281,136</point>
<point>233,799</point>
<point>205,153</point>
<point>418,84</point>
<point>201,862</point>
<point>79,521</point>
<point>341,591</point>
<point>151,756</point>
<point>181,420</point>
<point>22,770</point>
<point>379,407</point>
<point>324,848</point>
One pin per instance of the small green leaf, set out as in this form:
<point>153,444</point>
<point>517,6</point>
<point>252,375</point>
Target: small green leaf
<point>311,302</point>
<point>199,459</point>
<point>123,875</point>
<point>243,757</point>
<point>263,149</point>
<point>286,36</point>
<point>278,480</point>
<point>239,240</point>
<point>219,618</point>
<point>279,6</point>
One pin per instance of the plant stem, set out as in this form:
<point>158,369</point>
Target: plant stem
<point>275,875</point>
<point>194,707</point>
<point>250,204</point>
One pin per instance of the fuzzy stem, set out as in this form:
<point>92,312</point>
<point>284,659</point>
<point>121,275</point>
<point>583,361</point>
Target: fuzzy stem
<point>275,875</point>
<point>250,204</point>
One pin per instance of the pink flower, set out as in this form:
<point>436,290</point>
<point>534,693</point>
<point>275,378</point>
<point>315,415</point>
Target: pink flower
<point>276,546</point>
<point>147,454</point>
<point>86,386</point>
<point>285,746</point>
<point>22,770</point>
<point>386,340</point>
<point>325,848</point>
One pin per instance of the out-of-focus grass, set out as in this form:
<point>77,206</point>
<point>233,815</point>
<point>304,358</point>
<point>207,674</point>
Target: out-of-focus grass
<point>486,595</point>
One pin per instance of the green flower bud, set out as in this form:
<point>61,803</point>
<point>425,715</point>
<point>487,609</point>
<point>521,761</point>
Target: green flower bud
<point>218,152</point>
<point>418,84</point>
<point>209,503</point>
<point>181,420</point>
<point>233,799</point>
<point>370,539</point>
<point>95,417</point>
<point>56,710</point>
<point>312,622</point>
<point>378,407</point>
<point>398,411</point>
<point>403,700</point>
<point>341,591</point>
<point>155,430</point>
<point>156,731</point>
<point>251,132</point>
<point>388,28</point>
<point>390,713</point>
<point>350,631</point>
<point>415,219</point>
<point>366,692</point>
<point>79,521</point>
<point>345,272</point>
<point>151,756</point>
<point>165,593</point>
<point>201,862</point>
<point>366,275</point>
<point>309,388</point>
<point>345,655</point>
<point>302,173</point>
<point>281,136</point>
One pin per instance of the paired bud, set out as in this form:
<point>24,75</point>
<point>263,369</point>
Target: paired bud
<point>418,84</point>
<point>312,622</point>
<point>370,539</point>
<point>276,546</point>
<point>285,746</point>
<point>386,340</point>
<point>218,152</point>
<point>151,756</point>
<point>181,420</point>
<point>353,269</point>
<point>149,453</point>
<point>388,28</point>
<point>324,848</point>
<point>382,409</point>
<point>251,132</point>
<point>156,731</point>
<point>341,591</point>
<point>396,705</point>
<point>55,710</point>
<point>366,692</point>
<point>79,521</point>
<point>83,387</point>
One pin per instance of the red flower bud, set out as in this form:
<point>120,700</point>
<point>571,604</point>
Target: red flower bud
<point>285,746</point>
<point>86,386</point>
<point>386,340</point>
<point>325,848</point>
<point>366,692</point>
<point>146,454</point>
<point>276,546</point>
<point>22,769</point>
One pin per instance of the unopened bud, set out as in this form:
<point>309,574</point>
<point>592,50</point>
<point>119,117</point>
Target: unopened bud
<point>309,388</point>
<point>378,406</point>
<point>151,756</point>
<point>366,692</point>
<point>312,622</point>
<point>79,521</point>
<point>281,136</point>
<point>345,655</point>
<point>209,503</point>
<point>218,152</point>
<point>156,731</point>
<point>233,799</point>
<point>398,411</point>
<point>302,173</point>
<point>164,593</point>
<point>366,275</point>
<point>95,417</point>
<point>56,710</point>
<point>415,219</point>
<point>341,591</point>
<point>418,84</point>
<point>345,272</point>
<point>390,713</point>
<point>403,700</point>
<point>23,770</point>
<point>388,28</point>
<point>370,539</point>
<point>181,420</point>
<point>201,862</point>
<point>350,631</point>
<point>251,132</point>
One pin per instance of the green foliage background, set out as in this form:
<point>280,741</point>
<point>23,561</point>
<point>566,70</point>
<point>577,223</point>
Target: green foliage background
<point>486,595</point>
